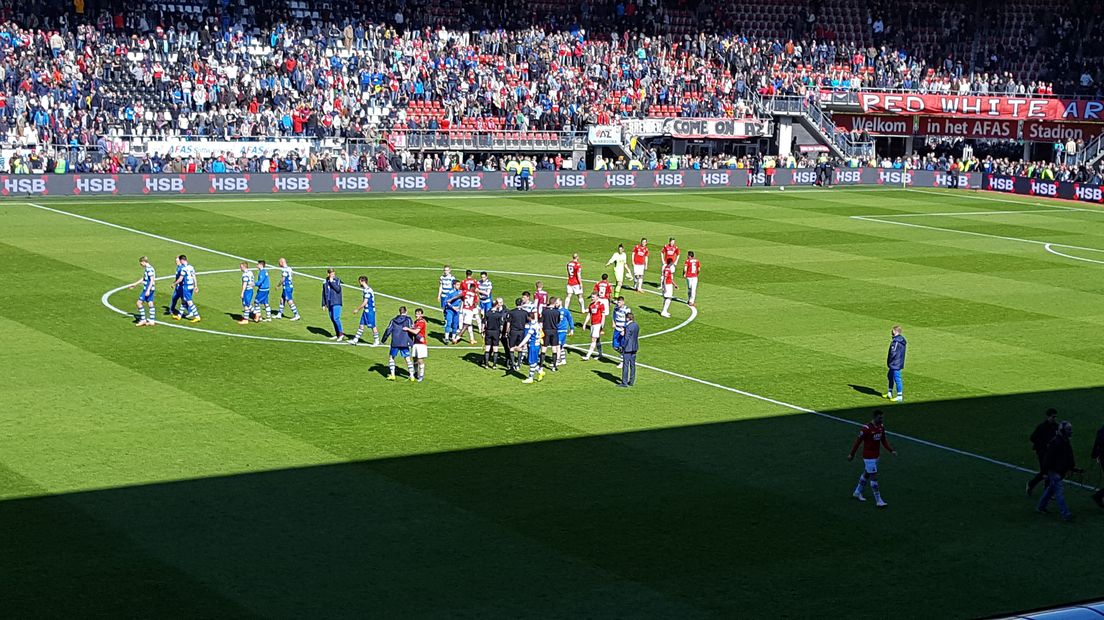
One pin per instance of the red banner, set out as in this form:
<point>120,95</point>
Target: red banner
<point>994,107</point>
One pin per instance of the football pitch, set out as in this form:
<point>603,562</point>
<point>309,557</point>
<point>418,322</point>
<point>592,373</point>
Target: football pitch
<point>218,469</point>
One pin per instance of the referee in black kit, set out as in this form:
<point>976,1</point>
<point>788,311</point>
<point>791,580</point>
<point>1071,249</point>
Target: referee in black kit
<point>630,344</point>
<point>516,319</point>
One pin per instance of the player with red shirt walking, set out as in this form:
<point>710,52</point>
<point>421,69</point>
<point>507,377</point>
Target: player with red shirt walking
<point>574,282</point>
<point>469,313</point>
<point>540,296</point>
<point>668,286</point>
<point>670,252</point>
<point>420,349</point>
<point>604,290</point>
<point>872,437</point>
<point>640,263</point>
<point>690,271</point>
<point>596,315</point>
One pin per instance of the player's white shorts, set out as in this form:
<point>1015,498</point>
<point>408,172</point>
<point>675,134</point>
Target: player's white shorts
<point>692,285</point>
<point>421,351</point>
<point>606,304</point>
<point>595,331</point>
<point>871,465</point>
<point>638,270</point>
<point>467,317</point>
<point>575,289</point>
<point>668,291</point>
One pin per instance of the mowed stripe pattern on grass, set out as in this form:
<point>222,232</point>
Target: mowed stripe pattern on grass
<point>797,299</point>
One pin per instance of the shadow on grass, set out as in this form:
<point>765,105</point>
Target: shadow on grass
<point>675,522</point>
<point>612,378</point>
<point>864,389</point>
<point>320,331</point>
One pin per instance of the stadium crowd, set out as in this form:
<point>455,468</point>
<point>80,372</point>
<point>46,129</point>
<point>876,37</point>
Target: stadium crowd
<point>71,74</point>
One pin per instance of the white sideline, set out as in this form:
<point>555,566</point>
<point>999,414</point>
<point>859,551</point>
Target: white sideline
<point>1061,210</point>
<point>792,407</point>
<point>867,218</point>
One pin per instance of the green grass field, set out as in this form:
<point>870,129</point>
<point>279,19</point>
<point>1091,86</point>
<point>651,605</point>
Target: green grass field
<point>162,472</point>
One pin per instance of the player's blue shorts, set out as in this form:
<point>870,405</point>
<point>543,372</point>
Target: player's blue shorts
<point>247,299</point>
<point>485,306</point>
<point>146,297</point>
<point>617,338</point>
<point>262,297</point>
<point>397,351</point>
<point>534,355</point>
<point>287,293</point>
<point>368,318</point>
<point>562,337</point>
<point>186,293</point>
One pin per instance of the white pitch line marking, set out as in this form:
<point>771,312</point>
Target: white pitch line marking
<point>1050,248</point>
<point>866,218</point>
<point>970,213</point>
<point>1004,200</point>
<point>733,390</point>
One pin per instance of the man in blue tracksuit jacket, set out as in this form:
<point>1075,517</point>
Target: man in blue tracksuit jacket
<point>400,331</point>
<point>896,363</point>
<point>331,301</point>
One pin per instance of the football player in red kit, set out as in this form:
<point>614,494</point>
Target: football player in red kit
<point>872,437</point>
<point>604,290</point>
<point>596,316</point>
<point>667,286</point>
<point>540,296</point>
<point>468,282</point>
<point>469,313</point>
<point>691,270</point>
<point>670,252</point>
<point>640,263</point>
<point>574,282</point>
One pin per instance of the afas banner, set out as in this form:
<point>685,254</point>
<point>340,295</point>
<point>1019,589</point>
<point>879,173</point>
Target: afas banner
<point>994,107</point>
<point>1032,131</point>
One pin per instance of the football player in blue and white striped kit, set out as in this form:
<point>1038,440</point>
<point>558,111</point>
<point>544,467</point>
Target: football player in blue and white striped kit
<point>619,313</point>
<point>287,291</point>
<point>445,285</point>
<point>189,286</point>
<point>177,294</point>
<point>367,309</point>
<point>532,341</point>
<point>486,293</point>
<point>261,298</point>
<point>248,282</point>
<point>149,283</point>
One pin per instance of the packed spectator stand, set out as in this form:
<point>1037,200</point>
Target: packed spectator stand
<point>91,81</point>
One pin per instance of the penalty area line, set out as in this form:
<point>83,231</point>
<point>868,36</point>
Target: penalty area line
<point>671,373</point>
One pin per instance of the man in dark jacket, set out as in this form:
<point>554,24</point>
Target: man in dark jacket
<point>1098,456</point>
<point>494,322</point>
<point>896,363</point>
<point>401,333</point>
<point>331,301</point>
<point>1057,462</point>
<point>516,320</point>
<point>1040,439</point>
<point>630,344</point>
